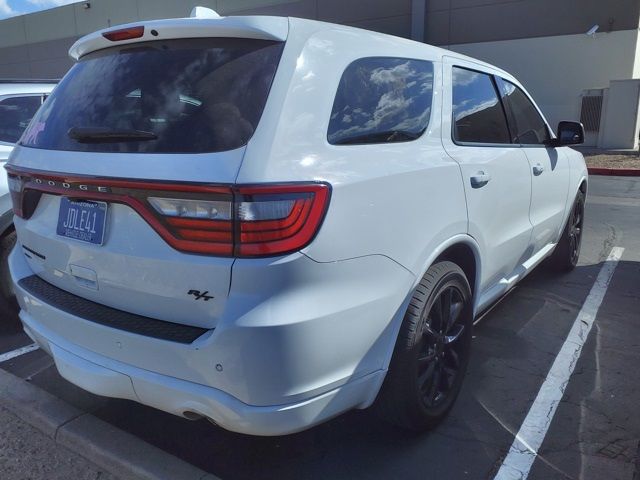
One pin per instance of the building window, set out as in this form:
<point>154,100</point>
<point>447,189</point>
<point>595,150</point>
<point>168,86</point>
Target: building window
<point>382,100</point>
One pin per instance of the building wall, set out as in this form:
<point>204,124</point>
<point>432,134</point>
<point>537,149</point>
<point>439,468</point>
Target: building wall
<point>36,45</point>
<point>542,42</point>
<point>556,70</point>
<point>452,22</point>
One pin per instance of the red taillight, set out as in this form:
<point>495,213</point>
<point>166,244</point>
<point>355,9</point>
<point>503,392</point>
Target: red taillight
<point>124,34</point>
<point>199,225</point>
<point>279,219</point>
<point>253,221</point>
<point>16,188</point>
<point>23,201</point>
<point>242,221</point>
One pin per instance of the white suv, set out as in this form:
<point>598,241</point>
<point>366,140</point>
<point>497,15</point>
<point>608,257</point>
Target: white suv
<point>19,101</point>
<point>270,221</point>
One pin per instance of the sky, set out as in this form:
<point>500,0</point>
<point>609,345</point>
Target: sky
<point>11,8</point>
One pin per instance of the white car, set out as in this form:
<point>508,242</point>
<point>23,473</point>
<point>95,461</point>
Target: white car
<point>19,101</point>
<point>269,221</point>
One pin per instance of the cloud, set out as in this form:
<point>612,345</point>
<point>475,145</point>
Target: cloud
<point>463,78</point>
<point>391,104</point>
<point>381,76</point>
<point>395,108</point>
<point>460,114</point>
<point>50,3</point>
<point>11,8</point>
<point>5,9</point>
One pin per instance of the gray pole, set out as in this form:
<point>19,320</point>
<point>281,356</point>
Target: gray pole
<point>418,11</point>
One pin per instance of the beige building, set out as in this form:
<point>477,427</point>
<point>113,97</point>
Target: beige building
<point>580,59</point>
<point>574,70</point>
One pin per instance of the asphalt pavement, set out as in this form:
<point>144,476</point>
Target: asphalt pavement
<point>594,434</point>
<point>26,453</point>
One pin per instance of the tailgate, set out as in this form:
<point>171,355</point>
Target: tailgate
<point>133,268</point>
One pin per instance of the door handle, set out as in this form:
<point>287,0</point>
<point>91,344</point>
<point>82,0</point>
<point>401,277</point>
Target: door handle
<point>538,169</point>
<point>480,179</point>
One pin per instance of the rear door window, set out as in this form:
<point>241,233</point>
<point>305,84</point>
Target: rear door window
<point>382,100</point>
<point>15,115</point>
<point>478,115</point>
<point>527,125</point>
<point>173,96</point>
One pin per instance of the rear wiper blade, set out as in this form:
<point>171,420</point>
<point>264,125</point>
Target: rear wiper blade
<point>105,135</point>
<point>379,137</point>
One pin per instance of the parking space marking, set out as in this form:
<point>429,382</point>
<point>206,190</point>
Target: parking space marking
<point>529,438</point>
<point>616,201</point>
<point>17,352</point>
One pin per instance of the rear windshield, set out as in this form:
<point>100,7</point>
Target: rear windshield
<point>174,96</point>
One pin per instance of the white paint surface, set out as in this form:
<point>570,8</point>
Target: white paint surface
<point>17,352</point>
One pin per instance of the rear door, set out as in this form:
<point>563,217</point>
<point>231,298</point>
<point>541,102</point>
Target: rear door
<point>496,174</point>
<point>549,166</point>
<point>123,174</point>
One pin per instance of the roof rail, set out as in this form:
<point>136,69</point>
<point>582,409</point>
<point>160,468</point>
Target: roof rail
<point>29,80</point>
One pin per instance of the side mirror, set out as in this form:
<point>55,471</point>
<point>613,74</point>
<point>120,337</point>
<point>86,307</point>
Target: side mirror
<point>569,133</point>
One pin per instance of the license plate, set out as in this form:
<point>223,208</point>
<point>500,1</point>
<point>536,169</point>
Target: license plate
<point>82,220</point>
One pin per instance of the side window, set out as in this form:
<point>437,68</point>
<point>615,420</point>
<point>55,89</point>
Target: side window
<point>528,127</point>
<point>15,115</point>
<point>382,100</point>
<point>478,115</point>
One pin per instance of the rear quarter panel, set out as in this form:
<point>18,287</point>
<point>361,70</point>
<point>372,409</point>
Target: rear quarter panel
<point>400,200</point>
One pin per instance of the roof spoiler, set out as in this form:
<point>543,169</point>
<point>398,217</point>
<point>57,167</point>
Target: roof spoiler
<point>203,23</point>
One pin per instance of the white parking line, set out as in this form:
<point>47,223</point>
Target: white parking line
<point>524,449</point>
<point>17,352</point>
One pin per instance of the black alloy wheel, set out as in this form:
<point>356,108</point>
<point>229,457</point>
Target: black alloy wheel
<point>432,351</point>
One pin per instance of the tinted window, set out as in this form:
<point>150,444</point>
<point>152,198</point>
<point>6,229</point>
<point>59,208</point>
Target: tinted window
<point>193,95</point>
<point>15,115</point>
<point>478,115</point>
<point>382,100</point>
<point>528,126</point>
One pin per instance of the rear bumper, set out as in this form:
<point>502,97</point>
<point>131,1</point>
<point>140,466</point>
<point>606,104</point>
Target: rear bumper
<point>107,377</point>
<point>283,359</point>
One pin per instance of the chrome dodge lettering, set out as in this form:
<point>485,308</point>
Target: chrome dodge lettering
<point>73,186</point>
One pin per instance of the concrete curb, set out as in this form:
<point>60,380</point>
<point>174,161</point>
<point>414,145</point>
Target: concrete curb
<point>118,452</point>
<point>623,172</point>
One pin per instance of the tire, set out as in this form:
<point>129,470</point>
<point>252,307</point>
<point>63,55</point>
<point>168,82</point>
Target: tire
<point>427,367</point>
<point>565,257</point>
<point>6,244</point>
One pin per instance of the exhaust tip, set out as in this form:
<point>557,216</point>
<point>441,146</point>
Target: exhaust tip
<point>193,416</point>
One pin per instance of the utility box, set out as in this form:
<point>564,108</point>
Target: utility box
<point>620,115</point>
